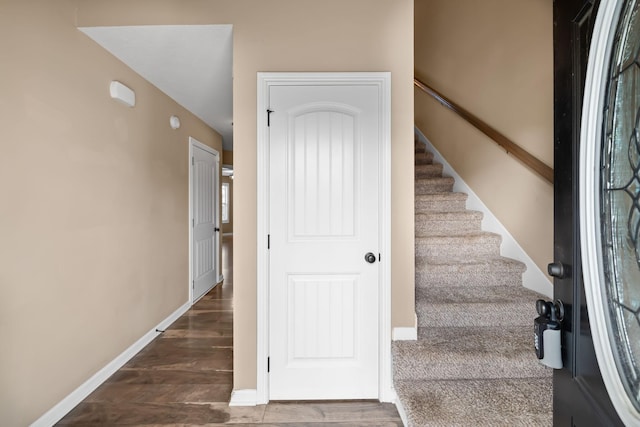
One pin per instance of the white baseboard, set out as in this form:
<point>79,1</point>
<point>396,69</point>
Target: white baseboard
<point>534,278</point>
<point>388,395</point>
<point>220,279</point>
<point>247,397</point>
<point>401,411</point>
<point>56,413</point>
<point>406,333</point>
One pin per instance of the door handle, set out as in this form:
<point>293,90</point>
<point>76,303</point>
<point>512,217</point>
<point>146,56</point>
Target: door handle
<point>216,229</point>
<point>370,257</point>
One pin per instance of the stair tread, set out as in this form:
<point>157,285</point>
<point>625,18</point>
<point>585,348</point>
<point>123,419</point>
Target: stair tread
<point>430,167</point>
<point>490,402</point>
<point>468,352</point>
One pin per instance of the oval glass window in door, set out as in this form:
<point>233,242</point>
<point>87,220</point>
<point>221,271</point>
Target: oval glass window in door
<point>620,200</point>
<point>610,201</point>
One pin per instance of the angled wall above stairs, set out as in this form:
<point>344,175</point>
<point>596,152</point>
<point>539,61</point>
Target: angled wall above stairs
<point>495,59</point>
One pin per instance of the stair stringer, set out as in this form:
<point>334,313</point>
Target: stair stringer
<point>533,278</point>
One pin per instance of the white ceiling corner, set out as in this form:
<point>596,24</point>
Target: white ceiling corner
<point>192,64</point>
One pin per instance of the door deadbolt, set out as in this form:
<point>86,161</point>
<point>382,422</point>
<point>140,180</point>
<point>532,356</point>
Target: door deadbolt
<point>370,257</point>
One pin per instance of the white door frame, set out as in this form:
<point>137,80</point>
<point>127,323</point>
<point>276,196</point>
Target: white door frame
<point>383,81</point>
<point>195,143</point>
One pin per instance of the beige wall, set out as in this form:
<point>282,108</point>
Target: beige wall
<point>94,242</point>
<point>93,216</point>
<point>494,58</point>
<point>227,157</point>
<point>297,35</point>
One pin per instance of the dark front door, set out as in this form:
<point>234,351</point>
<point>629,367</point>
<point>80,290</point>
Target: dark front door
<point>580,397</point>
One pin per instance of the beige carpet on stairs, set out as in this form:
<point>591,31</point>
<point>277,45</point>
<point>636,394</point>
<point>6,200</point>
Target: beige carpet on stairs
<point>473,363</point>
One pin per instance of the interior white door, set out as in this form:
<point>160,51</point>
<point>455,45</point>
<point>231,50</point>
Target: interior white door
<point>204,221</point>
<point>324,218</point>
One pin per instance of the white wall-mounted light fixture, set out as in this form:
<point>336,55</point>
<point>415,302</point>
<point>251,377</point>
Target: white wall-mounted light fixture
<point>174,122</point>
<point>123,94</point>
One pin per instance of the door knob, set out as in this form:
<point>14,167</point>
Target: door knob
<point>558,270</point>
<point>216,229</point>
<point>370,257</point>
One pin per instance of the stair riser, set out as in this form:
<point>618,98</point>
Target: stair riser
<point>420,152</point>
<point>423,162</point>
<point>423,158</point>
<point>428,171</point>
<point>475,314</point>
<point>440,205</point>
<point>433,186</point>
<point>457,251</point>
<point>426,279</point>
<point>449,228</point>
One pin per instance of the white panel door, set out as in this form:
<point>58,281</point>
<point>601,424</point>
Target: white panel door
<point>323,294</point>
<point>205,221</point>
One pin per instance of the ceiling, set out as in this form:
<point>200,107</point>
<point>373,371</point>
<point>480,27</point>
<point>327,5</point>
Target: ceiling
<point>192,64</point>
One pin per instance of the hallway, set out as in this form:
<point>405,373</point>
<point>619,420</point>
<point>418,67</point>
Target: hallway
<point>185,377</point>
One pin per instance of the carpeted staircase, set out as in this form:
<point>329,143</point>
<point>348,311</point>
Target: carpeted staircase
<point>473,363</point>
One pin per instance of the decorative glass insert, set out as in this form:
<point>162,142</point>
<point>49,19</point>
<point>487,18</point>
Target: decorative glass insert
<point>620,200</point>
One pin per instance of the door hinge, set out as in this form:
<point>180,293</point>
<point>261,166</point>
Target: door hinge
<point>268,241</point>
<point>193,161</point>
<point>268,364</point>
<point>379,257</point>
<point>193,222</point>
<point>269,116</point>
<point>193,284</point>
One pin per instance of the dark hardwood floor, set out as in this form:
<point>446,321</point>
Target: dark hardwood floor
<point>185,376</point>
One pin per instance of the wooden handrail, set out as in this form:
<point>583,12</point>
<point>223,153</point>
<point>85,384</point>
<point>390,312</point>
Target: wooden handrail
<point>510,147</point>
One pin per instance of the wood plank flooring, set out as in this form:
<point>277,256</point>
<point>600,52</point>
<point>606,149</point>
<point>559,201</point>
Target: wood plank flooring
<point>185,376</point>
